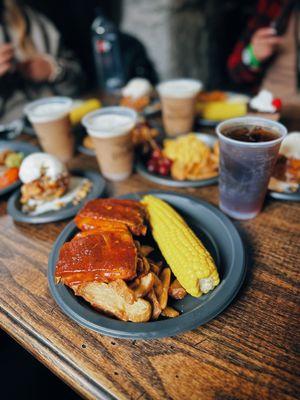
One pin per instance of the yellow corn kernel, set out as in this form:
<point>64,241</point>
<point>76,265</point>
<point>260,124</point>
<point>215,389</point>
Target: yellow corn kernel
<point>185,254</point>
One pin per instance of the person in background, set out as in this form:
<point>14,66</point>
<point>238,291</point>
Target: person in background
<point>268,45</point>
<point>33,61</point>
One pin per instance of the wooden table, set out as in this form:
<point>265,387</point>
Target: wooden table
<point>248,352</point>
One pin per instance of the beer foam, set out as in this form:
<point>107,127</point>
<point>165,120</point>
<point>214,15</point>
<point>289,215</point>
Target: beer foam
<point>179,88</point>
<point>46,111</point>
<point>108,125</point>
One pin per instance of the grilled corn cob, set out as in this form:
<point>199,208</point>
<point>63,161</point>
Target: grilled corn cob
<point>188,259</point>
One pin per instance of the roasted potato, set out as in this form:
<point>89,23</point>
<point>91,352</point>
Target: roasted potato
<point>115,298</point>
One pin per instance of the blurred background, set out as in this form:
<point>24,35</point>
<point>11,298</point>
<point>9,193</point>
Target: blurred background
<point>182,37</point>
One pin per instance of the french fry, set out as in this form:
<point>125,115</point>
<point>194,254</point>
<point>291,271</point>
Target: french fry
<point>165,278</point>
<point>156,308</point>
<point>157,285</point>
<point>169,312</point>
<point>176,290</point>
<point>146,284</point>
<point>146,265</point>
<point>145,250</point>
<point>155,267</point>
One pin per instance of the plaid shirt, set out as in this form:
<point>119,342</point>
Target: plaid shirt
<point>266,12</point>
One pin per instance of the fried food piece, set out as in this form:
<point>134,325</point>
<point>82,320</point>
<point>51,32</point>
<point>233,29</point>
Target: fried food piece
<point>116,299</point>
<point>214,95</point>
<point>156,307</point>
<point>45,188</point>
<point>88,143</point>
<point>165,278</point>
<point>100,213</point>
<point>176,290</point>
<point>169,312</point>
<point>143,133</point>
<point>97,256</point>
<point>138,104</point>
<point>192,159</point>
<point>146,283</point>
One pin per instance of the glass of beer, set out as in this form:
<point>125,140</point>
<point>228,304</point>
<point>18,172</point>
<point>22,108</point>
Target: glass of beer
<point>178,100</point>
<point>248,151</point>
<point>111,131</point>
<point>50,119</point>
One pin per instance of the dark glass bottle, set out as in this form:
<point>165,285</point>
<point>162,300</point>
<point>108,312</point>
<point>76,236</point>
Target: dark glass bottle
<point>107,54</point>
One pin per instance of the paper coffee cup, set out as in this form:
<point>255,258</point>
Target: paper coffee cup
<point>110,129</point>
<point>50,119</point>
<point>178,99</point>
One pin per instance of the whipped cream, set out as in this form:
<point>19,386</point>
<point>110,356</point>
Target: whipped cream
<point>136,88</point>
<point>290,146</point>
<point>263,102</point>
<point>34,164</point>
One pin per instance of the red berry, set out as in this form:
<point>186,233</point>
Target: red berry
<point>163,170</point>
<point>277,103</point>
<point>167,162</point>
<point>156,154</point>
<point>152,165</point>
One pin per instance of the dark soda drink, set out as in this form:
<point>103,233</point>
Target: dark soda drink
<point>248,151</point>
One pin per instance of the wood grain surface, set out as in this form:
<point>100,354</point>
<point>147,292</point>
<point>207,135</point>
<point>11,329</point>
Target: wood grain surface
<point>248,352</point>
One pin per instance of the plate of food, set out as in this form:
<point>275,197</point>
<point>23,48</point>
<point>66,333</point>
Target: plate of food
<point>285,180</point>
<point>190,160</point>
<point>11,156</point>
<point>50,192</point>
<point>146,265</point>
<point>215,106</point>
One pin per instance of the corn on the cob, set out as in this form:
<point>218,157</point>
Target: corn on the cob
<point>188,259</point>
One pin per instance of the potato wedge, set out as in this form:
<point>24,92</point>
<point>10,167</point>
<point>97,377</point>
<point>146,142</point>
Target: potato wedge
<point>145,285</point>
<point>176,290</point>
<point>169,312</point>
<point>165,278</point>
<point>156,308</point>
<point>145,250</point>
<point>111,298</point>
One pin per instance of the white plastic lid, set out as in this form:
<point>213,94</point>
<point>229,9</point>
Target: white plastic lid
<point>179,88</point>
<point>110,122</point>
<point>48,109</point>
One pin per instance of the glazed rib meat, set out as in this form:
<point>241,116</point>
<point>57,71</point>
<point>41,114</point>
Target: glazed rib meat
<point>97,256</point>
<point>105,213</point>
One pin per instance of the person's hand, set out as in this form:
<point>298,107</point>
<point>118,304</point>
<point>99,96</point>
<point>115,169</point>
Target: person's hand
<point>37,68</point>
<point>6,58</point>
<point>265,43</point>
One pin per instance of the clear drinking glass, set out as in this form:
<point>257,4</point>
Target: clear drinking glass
<point>246,167</point>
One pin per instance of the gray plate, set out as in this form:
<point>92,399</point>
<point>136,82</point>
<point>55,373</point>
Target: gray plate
<point>220,237</point>
<point>84,150</point>
<point>25,148</point>
<point>14,206</point>
<point>168,181</point>
<point>295,196</point>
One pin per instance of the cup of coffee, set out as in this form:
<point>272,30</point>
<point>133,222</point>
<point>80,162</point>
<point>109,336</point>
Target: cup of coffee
<point>178,99</point>
<point>248,151</point>
<point>111,131</point>
<point>50,119</point>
